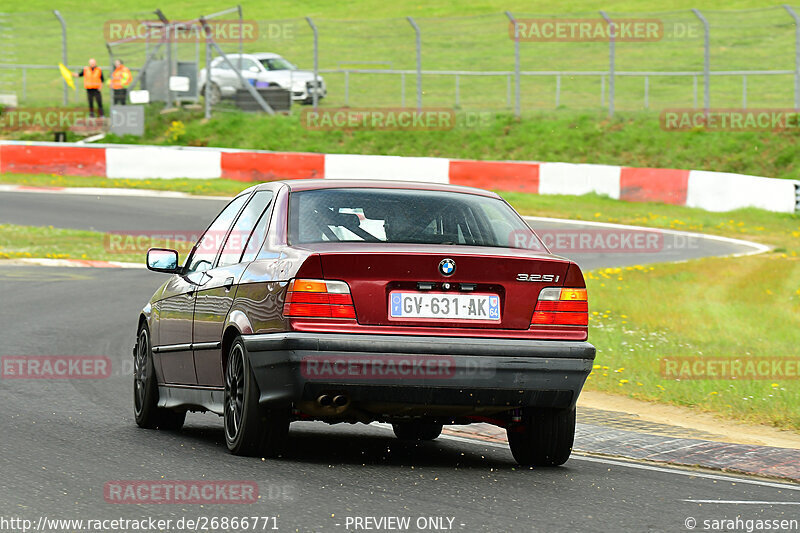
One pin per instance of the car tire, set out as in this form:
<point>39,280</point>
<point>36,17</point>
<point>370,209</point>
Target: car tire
<point>145,389</point>
<point>250,429</point>
<point>544,438</point>
<point>417,430</point>
<point>216,94</point>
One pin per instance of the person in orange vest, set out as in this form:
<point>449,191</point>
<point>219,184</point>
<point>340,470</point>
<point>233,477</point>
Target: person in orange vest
<point>93,83</point>
<point>120,79</point>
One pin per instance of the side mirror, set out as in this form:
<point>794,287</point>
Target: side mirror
<point>162,260</point>
<point>253,69</point>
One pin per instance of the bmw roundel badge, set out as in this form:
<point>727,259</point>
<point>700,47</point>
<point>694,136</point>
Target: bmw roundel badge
<point>447,267</point>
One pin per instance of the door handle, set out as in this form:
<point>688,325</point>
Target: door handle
<point>228,283</point>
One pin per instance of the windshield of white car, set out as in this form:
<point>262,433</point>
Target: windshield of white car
<point>277,64</point>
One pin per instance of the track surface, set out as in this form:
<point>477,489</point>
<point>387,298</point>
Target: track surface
<point>63,440</point>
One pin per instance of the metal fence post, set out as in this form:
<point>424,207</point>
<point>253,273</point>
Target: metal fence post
<point>706,59</point>
<point>602,91</point>
<point>611,50</point>
<point>241,41</point>
<point>419,61</point>
<point>315,94</point>
<point>744,92</point>
<point>169,67</point>
<point>796,55</point>
<point>517,109</point>
<point>63,50</point>
<point>558,90</point>
<point>207,87</point>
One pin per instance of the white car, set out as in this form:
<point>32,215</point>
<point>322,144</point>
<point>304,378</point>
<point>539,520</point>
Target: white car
<point>262,69</point>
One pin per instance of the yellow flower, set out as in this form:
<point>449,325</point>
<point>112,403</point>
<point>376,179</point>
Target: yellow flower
<point>712,393</point>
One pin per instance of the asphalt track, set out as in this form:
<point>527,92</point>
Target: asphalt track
<point>62,441</point>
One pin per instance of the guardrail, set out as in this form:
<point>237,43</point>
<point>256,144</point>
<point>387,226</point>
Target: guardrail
<point>712,191</point>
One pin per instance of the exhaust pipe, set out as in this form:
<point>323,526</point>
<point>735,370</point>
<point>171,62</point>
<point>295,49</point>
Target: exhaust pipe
<point>340,400</point>
<point>325,400</point>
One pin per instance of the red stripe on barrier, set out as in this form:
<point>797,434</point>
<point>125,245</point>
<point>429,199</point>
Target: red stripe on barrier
<point>496,175</point>
<point>654,185</point>
<point>258,166</point>
<point>62,160</point>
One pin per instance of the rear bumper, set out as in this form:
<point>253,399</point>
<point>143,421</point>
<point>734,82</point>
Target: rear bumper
<point>390,371</point>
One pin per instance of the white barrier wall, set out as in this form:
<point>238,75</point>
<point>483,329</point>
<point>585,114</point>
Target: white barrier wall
<point>569,178</point>
<point>142,162</point>
<point>721,191</point>
<point>713,191</point>
<point>387,167</point>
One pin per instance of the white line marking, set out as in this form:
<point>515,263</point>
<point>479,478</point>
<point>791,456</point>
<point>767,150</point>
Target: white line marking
<point>109,191</point>
<point>758,248</point>
<point>741,502</point>
<point>69,263</point>
<point>673,470</point>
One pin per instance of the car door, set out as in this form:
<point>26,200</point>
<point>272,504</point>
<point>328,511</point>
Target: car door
<point>250,69</point>
<point>224,76</point>
<point>215,297</point>
<point>176,311</point>
<point>173,353</point>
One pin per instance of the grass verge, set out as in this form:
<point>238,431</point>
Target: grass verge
<point>633,139</point>
<point>743,308</point>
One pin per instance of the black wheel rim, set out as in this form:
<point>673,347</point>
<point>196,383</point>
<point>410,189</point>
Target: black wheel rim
<point>140,370</point>
<point>234,392</point>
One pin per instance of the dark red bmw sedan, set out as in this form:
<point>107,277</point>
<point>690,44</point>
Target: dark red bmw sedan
<point>415,304</point>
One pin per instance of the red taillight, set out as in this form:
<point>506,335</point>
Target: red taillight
<point>313,298</point>
<point>561,307</point>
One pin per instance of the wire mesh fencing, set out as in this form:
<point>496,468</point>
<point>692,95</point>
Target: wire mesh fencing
<point>496,62</point>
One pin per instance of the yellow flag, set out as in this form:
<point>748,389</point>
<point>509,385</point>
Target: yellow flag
<point>67,75</point>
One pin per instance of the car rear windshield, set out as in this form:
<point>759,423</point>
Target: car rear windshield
<point>405,216</point>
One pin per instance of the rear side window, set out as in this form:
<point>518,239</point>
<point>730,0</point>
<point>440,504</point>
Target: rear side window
<point>242,237</point>
<point>404,216</point>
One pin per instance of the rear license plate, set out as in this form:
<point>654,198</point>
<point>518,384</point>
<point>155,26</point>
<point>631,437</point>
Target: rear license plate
<point>444,305</point>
